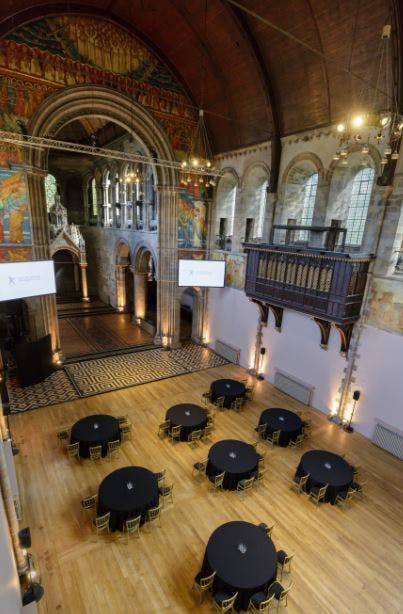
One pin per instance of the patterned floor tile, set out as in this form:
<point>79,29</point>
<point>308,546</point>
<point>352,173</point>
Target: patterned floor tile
<point>56,388</point>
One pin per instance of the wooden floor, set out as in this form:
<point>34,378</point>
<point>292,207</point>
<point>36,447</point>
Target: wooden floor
<point>346,561</point>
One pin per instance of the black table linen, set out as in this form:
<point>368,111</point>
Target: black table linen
<point>244,560</point>
<point>190,417</point>
<point>230,389</point>
<point>238,459</point>
<point>326,468</point>
<point>96,430</point>
<point>284,420</point>
<point>127,493</point>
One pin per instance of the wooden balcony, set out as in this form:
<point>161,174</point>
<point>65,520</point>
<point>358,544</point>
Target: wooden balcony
<point>324,284</point>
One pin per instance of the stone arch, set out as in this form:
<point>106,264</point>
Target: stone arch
<point>198,310</point>
<point>225,208</point>
<point>69,275</point>
<point>124,289</point>
<point>251,214</point>
<point>57,111</point>
<point>145,285</point>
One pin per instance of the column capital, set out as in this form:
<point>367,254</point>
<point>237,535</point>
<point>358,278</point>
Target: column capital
<point>35,171</point>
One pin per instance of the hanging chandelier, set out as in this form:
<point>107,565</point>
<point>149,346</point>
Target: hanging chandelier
<point>197,168</point>
<point>379,121</point>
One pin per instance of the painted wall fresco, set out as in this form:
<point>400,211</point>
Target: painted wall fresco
<point>235,268</point>
<point>15,254</point>
<point>192,219</point>
<point>15,226</point>
<point>386,305</point>
<point>49,54</point>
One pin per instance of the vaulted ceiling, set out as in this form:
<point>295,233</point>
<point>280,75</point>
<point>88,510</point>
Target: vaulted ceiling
<point>247,68</point>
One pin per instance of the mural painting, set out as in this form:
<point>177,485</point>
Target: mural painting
<point>192,219</point>
<point>235,271</point>
<point>57,52</point>
<point>191,254</point>
<point>386,305</point>
<point>15,254</point>
<point>14,211</point>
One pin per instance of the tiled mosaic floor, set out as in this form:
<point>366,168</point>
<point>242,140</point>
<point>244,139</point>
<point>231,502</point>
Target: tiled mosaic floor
<point>105,374</point>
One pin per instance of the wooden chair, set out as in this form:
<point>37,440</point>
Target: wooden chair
<point>125,433</point>
<point>318,494</point>
<point>238,404</point>
<point>101,523</point>
<point>175,433</point>
<point>193,438</point>
<point>345,497</point>
<point>154,514</point>
<point>206,432</point>
<point>300,484</point>
<point>63,436</point>
<point>259,476</point>
<point>260,602</point>
<point>206,397</point>
<point>113,449</point>
<point>163,429</point>
<point>122,419</point>
<point>249,392</point>
<point>160,475</point>
<point>73,450</point>
<point>219,403</point>
<point>356,470</point>
<point>95,453</point>
<point>89,503</point>
<point>224,602</point>
<point>298,442</point>
<point>166,492</point>
<point>359,487</point>
<point>132,527</point>
<point>218,481</point>
<point>280,593</point>
<point>261,430</point>
<point>245,485</point>
<point>274,438</point>
<point>200,467</point>
<point>202,584</point>
<point>266,528</point>
<point>284,561</point>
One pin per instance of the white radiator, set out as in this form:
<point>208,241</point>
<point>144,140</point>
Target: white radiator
<point>294,387</point>
<point>388,438</point>
<point>227,351</point>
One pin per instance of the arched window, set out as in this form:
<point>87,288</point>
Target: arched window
<point>224,211</point>
<point>50,191</point>
<point>308,204</point>
<point>94,198</point>
<point>358,208</point>
<point>253,203</point>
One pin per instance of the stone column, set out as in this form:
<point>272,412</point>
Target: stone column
<point>199,316</point>
<point>84,284</point>
<point>76,277</point>
<point>120,287</point>
<point>271,205</point>
<point>168,320</point>
<point>319,213</point>
<point>43,307</point>
<point>390,235</point>
<point>140,295</point>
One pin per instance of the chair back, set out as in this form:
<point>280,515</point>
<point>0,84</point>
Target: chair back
<point>73,449</point>
<point>62,435</point>
<point>89,502</point>
<point>276,436</point>
<point>125,432</point>
<point>194,435</point>
<point>207,430</point>
<point>206,397</point>
<point>219,479</point>
<point>113,447</point>
<point>101,522</point>
<point>288,558</point>
<point>261,429</point>
<point>285,592</point>
<point>122,419</point>
<point>259,474</point>
<point>298,441</point>
<point>245,484</point>
<point>303,481</point>
<point>206,582</point>
<point>220,402</point>
<point>95,452</point>
<point>160,475</point>
<point>175,431</point>
<point>200,466</point>
<point>237,404</point>
<point>164,427</point>
<point>153,513</point>
<point>322,492</point>
<point>133,524</point>
<point>265,605</point>
<point>227,604</point>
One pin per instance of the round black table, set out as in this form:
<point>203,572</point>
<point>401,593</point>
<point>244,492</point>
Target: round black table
<point>238,459</point>
<point>326,468</point>
<point>189,417</point>
<point>95,430</point>
<point>284,420</point>
<point>244,560</point>
<point>126,493</point>
<point>230,389</point>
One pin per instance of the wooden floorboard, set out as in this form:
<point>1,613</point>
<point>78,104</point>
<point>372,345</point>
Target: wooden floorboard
<point>345,560</point>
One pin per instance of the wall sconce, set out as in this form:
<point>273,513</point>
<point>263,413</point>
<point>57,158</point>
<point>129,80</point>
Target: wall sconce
<point>347,427</point>
<point>259,371</point>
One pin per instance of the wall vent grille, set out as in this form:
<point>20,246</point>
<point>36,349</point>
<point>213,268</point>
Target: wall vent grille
<point>388,438</point>
<point>227,351</point>
<point>294,387</point>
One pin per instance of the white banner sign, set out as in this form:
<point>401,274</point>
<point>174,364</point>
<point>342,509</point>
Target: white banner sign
<point>205,273</point>
<point>24,279</point>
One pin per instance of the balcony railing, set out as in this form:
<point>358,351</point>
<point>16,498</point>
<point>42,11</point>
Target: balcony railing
<point>327,285</point>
